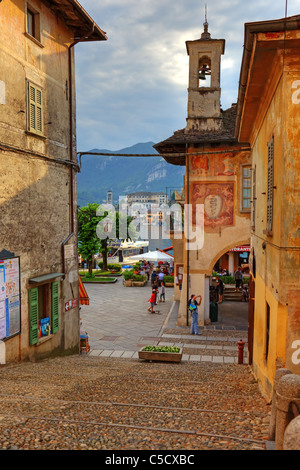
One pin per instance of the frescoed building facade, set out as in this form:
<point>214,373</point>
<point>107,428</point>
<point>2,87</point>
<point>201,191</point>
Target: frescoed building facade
<point>217,179</point>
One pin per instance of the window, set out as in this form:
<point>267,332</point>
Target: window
<point>30,23</point>
<point>246,188</point>
<point>35,109</point>
<point>270,185</point>
<point>33,23</point>
<point>43,311</point>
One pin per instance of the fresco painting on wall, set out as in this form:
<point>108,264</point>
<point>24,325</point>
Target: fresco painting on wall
<point>218,201</point>
<point>212,165</point>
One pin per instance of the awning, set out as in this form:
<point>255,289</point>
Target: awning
<point>241,248</point>
<point>45,278</point>
<point>83,297</point>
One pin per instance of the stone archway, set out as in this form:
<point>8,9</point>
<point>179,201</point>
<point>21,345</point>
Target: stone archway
<point>196,279</point>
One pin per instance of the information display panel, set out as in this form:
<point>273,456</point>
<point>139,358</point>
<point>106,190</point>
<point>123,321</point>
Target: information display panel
<point>10,298</point>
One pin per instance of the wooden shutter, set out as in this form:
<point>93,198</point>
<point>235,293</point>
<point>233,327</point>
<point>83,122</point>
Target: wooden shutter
<point>55,307</point>
<point>35,109</point>
<point>33,316</point>
<point>270,185</point>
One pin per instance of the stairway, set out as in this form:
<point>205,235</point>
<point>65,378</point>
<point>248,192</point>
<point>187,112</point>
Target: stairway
<point>231,295</point>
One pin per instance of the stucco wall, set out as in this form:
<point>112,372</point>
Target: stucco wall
<point>277,253</point>
<point>35,199</point>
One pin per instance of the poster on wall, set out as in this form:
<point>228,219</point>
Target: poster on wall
<point>10,311</point>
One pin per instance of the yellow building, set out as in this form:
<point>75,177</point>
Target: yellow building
<point>39,310</point>
<point>269,120</point>
<point>217,179</point>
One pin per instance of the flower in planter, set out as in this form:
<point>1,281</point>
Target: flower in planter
<point>169,349</point>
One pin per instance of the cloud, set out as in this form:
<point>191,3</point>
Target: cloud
<point>133,87</point>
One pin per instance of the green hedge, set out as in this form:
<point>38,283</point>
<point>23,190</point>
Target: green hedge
<point>230,279</point>
<point>138,277</point>
<point>129,274</point>
<point>111,267</point>
<point>168,279</point>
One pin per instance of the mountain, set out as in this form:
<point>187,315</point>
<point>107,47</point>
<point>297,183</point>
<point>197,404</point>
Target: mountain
<point>123,175</point>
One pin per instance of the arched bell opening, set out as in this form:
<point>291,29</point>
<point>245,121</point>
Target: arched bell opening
<point>204,72</point>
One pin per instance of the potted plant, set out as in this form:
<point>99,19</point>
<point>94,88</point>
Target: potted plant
<point>138,280</point>
<point>128,275</point>
<point>169,281</point>
<point>161,353</point>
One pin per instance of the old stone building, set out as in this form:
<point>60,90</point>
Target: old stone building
<point>216,183</point>
<point>268,119</point>
<point>39,311</point>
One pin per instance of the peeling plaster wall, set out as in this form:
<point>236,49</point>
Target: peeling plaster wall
<point>277,254</point>
<point>35,201</point>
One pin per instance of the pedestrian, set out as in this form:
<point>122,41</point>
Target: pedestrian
<point>152,301</point>
<point>153,277</point>
<point>155,288</point>
<point>162,292</point>
<point>220,289</point>
<point>193,308</point>
<point>238,278</point>
<point>161,276</point>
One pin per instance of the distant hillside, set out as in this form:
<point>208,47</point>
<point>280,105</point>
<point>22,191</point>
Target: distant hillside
<point>122,175</point>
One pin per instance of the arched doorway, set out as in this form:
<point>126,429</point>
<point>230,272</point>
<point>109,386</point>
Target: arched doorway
<point>233,307</point>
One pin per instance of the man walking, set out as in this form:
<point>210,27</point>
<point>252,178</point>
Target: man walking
<point>238,278</point>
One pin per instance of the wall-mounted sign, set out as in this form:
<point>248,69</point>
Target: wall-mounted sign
<point>10,305</point>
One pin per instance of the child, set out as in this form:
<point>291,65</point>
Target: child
<point>152,301</point>
<point>162,292</point>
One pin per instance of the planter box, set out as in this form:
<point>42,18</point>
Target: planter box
<point>128,283</point>
<point>169,284</point>
<point>160,356</point>
<point>138,283</point>
<point>99,281</point>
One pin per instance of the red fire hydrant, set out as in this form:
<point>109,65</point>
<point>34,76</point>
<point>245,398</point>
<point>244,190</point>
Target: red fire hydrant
<point>241,345</point>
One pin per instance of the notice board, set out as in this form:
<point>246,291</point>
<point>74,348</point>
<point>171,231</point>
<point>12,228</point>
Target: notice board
<point>10,297</point>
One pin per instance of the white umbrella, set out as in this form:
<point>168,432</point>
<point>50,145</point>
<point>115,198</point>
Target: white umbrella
<point>152,256</point>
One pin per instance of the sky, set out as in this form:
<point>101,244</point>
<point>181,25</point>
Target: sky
<point>133,87</point>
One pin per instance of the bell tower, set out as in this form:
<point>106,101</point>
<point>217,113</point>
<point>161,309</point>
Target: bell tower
<point>204,91</point>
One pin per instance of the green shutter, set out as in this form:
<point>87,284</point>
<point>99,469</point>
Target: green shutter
<point>33,316</point>
<point>55,307</point>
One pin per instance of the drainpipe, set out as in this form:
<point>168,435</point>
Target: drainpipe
<point>188,233</point>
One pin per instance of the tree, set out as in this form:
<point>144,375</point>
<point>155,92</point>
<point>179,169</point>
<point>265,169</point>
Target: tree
<point>88,241</point>
<point>97,225</point>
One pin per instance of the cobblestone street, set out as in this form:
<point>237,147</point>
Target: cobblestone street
<point>89,403</point>
<point>115,401</point>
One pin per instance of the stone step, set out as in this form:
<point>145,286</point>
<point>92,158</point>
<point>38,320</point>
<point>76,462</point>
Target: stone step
<point>231,298</point>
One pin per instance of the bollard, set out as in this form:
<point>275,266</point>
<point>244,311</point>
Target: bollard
<point>291,440</point>
<point>241,345</point>
<point>278,374</point>
<point>288,393</point>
